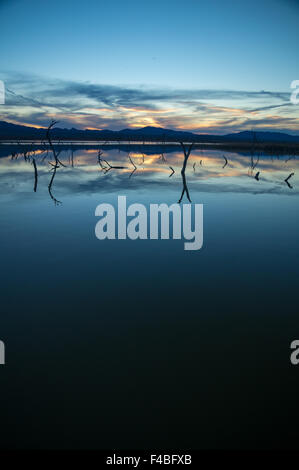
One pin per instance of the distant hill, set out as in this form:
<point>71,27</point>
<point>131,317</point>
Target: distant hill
<point>10,131</point>
<point>262,136</point>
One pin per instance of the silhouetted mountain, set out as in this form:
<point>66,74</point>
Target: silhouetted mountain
<point>262,136</point>
<point>158,132</point>
<point>10,131</point>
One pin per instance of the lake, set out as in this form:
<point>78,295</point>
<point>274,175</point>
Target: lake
<point>139,343</point>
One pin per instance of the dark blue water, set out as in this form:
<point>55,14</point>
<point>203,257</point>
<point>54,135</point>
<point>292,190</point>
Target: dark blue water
<point>140,344</point>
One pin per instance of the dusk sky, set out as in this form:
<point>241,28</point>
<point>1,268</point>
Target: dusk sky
<point>211,67</point>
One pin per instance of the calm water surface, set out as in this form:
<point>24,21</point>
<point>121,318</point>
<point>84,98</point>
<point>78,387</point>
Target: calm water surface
<point>140,344</point>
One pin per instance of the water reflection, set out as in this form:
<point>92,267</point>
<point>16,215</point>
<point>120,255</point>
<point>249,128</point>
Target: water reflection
<point>77,169</point>
<point>115,298</point>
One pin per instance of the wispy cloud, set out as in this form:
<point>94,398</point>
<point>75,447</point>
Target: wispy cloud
<point>34,100</point>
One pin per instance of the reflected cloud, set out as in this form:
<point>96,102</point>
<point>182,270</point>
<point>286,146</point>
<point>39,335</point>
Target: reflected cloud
<point>79,171</point>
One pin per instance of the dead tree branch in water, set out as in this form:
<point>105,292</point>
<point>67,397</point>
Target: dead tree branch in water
<point>29,156</point>
<point>46,151</point>
<point>135,167</point>
<point>185,188</point>
<point>131,174</point>
<point>226,162</point>
<point>108,167</point>
<point>72,157</point>
<point>256,162</point>
<point>56,202</point>
<point>54,165</point>
<point>287,180</point>
<point>57,161</point>
<point>186,156</point>
<point>35,174</point>
<point>100,153</point>
<point>172,172</point>
<point>253,164</point>
<point>162,157</point>
<point>141,159</point>
<point>257,176</point>
<point>114,167</point>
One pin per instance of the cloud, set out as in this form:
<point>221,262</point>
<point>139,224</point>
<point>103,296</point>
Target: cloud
<point>35,100</point>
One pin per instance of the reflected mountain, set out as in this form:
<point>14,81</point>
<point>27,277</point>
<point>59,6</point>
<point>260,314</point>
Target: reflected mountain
<point>77,169</point>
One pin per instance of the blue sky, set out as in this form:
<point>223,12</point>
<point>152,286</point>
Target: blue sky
<point>202,66</point>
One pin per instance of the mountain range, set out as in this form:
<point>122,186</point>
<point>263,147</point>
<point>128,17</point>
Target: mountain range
<point>9,131</point>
